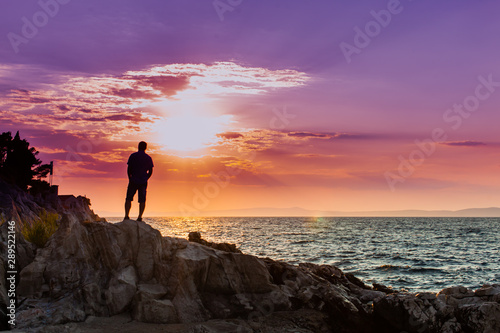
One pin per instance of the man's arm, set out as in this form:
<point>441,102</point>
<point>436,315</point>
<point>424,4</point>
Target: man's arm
<point>129,172</point>
<point>150,173</point>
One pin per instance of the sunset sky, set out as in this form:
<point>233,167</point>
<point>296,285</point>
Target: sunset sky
<point>323,105</point>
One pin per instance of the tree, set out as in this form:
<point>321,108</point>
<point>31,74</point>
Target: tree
<point>19,164</point>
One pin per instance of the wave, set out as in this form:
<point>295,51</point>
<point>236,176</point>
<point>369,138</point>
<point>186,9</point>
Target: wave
<point>426,270</point>
<point>392,267</point>
<point>303,241</point>
<point>410,269</point>
<point>473,230</point>
<point>285,233</point>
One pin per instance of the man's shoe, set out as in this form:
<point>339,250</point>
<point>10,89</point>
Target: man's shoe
<point>139,219</point>
<point>126,218</point>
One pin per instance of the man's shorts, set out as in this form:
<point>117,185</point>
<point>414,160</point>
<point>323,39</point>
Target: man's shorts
<point>133,187</point>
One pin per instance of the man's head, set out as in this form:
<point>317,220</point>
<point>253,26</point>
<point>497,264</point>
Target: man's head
<point>143,145</point>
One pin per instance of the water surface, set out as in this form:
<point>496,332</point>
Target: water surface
<point>413,254</point>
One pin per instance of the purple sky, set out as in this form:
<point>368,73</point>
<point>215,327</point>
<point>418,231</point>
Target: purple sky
<point>394,91</point>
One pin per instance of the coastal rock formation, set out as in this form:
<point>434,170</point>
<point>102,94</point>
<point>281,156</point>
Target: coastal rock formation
<point>99,269</point>
<point>23,208</point>
<point>15,204</point>
<point>102,269</point>
<point>127,277</point>
<point>455,309</point>
<point>196,237</point>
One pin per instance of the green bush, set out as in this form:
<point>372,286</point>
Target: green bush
<point>40,231</point>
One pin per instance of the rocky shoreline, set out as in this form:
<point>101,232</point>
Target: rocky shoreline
<point>94,276</point>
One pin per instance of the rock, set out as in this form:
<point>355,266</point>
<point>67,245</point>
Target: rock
<point>427,296</point>
<point>194,236</point>
<point>458,292</point>
<point>330,273</point>
<point>443,309</point>
<point>25,251</point>
<point>405,312</point>
<point>155,311</point>
<point>150,291</point>
<point>227,247</point>
<point>384,289</point>
<point>483,317</point>
<point>32,317</point>
<point>455,309</point>
<point>488,290</point>
<point>121,290</point>
<point>24,255</point>
<point>451,326</point>
<point>4,300</point>
<point>354,280</point>
<point>68,309</point>
<point>95,299</point>
<point>366,296</point>
<point>31,280</point>
<point>217,326</point>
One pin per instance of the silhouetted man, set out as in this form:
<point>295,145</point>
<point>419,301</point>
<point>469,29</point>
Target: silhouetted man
<point>140,169</point>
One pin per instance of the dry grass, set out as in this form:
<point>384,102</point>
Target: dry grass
<point>40,231</point>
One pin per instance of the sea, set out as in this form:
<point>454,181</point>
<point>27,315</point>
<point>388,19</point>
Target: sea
<point>408,254</point>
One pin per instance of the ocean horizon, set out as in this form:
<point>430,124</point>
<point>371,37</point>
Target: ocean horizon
<point>408,254</point>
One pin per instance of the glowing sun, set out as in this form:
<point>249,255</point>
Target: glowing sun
<point>189,132</point>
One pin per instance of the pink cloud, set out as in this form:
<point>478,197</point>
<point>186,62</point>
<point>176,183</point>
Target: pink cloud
<point>464,143</point>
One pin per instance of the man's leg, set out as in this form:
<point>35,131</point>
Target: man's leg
<point>128,205</point>
<point>142,206</point>
<point>142,200</point>
<point>131,189</point>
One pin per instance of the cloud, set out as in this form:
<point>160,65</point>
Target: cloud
<point>132,93</point>
<point>167,85</point>
<point>331,136</point>
<point>311,135</point>
<point>259,140</point>
<point>134,117</point>
<point>63,108</point>
<point>251,140</point>
<point>238,170</point>
<point>230,135</point>
<point>67,111</point>
<point>315,156</point>
<point>126,101</point>
<point>222,78</point>
<point>464,143</point>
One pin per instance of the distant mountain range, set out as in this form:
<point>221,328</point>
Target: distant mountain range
<point>297,211</point>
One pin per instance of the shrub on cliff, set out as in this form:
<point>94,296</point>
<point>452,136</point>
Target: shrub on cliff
<point>40,231</point>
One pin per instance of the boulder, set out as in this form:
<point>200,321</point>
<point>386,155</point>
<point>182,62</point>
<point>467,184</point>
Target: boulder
<point>227,247</point>
<point>483,317</point>
<point>488,290</point>
<point>122,289</point>
<point>155,311</point>
<point>150,291</point>
<point>457,292</point>
<point>404,312</point>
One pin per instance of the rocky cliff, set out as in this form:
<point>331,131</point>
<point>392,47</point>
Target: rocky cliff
<point>125,277</point>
